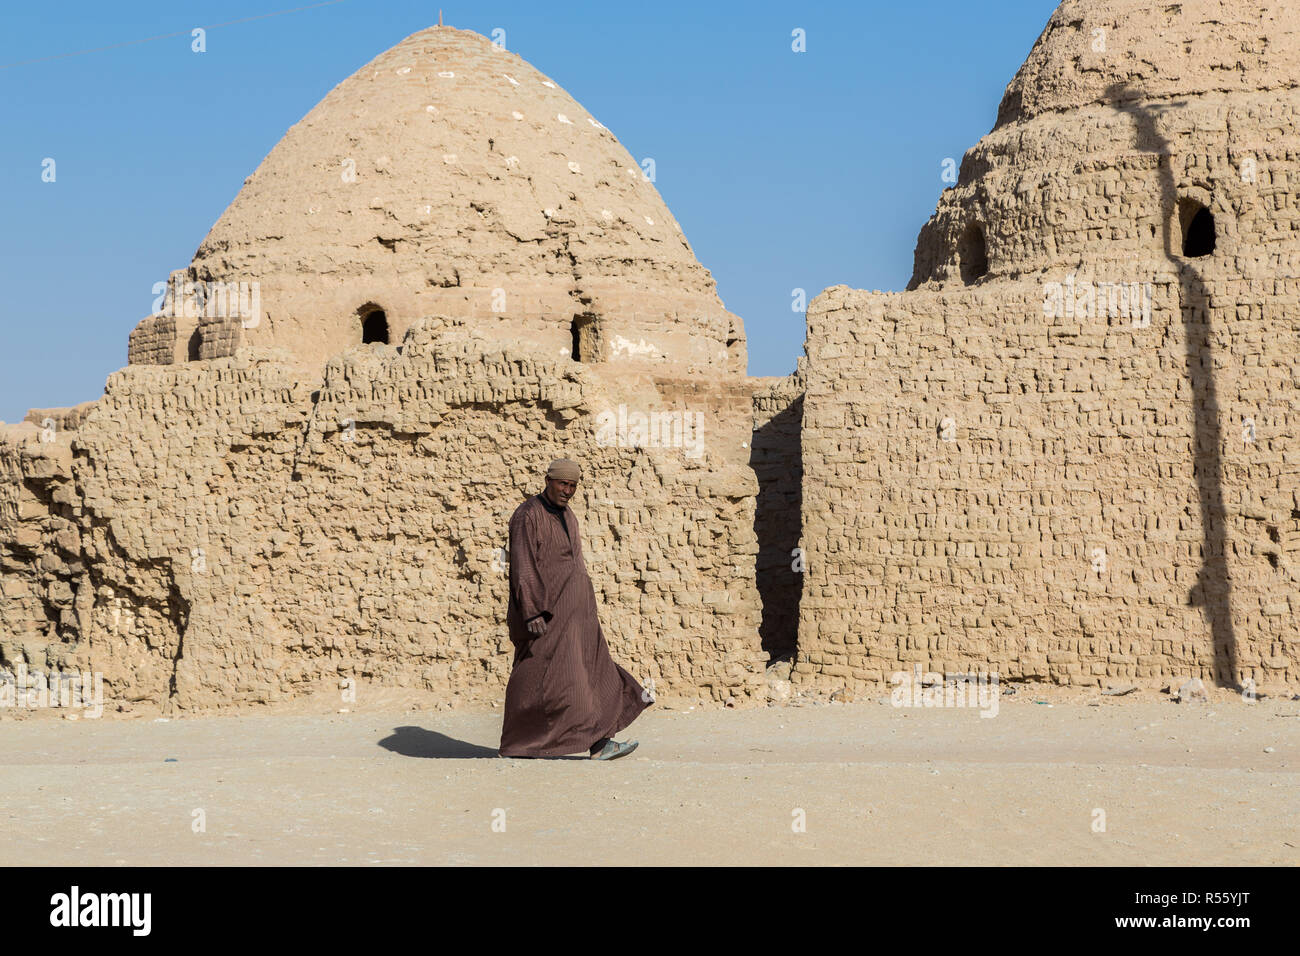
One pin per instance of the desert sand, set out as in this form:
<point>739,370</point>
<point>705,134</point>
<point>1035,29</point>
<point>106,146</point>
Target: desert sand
<point>396,781</point>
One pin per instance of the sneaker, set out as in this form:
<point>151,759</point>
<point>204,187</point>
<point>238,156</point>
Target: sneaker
<point>613,750</point>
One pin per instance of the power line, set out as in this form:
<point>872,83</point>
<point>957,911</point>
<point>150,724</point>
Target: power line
<point>168,36</point>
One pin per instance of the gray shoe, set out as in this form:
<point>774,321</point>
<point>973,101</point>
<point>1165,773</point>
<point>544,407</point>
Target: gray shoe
<point>613,750</point>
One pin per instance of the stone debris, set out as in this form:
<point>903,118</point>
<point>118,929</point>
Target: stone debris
<point>778,690</point>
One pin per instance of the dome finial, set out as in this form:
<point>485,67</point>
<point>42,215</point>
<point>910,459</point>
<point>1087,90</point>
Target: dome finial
<point>439,17</point>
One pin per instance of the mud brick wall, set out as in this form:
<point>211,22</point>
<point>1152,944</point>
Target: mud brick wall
<point>153,341</point>
<point>58,420</point>
<point>1061,533</point>
<point>260,506</point>
<point>244,532</point>
<point>1117,500</point>
<point>163,340</point>
<point>40,547</point>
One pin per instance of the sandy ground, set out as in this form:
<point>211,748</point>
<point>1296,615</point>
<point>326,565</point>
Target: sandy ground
<point>397,783</point>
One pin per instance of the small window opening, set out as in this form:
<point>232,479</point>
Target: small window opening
<point>972,254</point>
<point>584,333</point>
<point>194,346</point>
<point>374,327</point>
<point>1198,229</point>
<point>734,353</point>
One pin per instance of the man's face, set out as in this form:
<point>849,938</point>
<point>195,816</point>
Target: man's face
<point>560,490</point>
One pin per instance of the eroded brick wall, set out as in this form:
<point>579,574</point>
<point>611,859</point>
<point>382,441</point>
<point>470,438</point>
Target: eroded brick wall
<point>40,543</point>
<point>248,533</point>
<point>1022,465</point>
<point>1059,533</point>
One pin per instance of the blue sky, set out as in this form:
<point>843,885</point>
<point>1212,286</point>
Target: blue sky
<point>786,170</point>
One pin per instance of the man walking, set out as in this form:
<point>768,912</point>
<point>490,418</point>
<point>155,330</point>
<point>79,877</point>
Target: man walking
<point>565,694</point>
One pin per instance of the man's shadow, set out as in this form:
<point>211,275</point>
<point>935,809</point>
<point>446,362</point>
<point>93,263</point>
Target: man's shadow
<point>418,742</point>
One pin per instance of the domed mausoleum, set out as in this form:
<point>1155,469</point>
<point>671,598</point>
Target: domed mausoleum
<point>446,275</point>
<point>449,177</point>
<point>1067,452</point>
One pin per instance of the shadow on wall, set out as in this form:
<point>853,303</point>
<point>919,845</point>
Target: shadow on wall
<point>776,455</point>
<point>1213,590</point>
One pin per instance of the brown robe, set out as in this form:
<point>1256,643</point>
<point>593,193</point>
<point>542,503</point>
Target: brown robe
<point>565,691</point>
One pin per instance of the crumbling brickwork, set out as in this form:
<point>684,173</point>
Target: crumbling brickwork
<point>40,547</point>
<point>263,504</point>
<point>1069,453</point>
<point>242,535</point>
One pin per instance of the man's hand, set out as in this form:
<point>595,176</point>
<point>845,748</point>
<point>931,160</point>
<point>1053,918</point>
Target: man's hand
<point>537,626</point>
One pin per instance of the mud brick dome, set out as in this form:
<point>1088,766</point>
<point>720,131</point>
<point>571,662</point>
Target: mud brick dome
<point>1066,453</point>
<point>449,177</point>
<point>1070,176</point>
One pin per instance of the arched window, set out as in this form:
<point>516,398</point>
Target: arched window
<point>374,325</point>
<point>1197,224</point>
<point>972,253</point>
